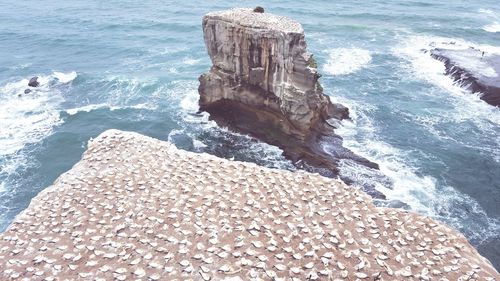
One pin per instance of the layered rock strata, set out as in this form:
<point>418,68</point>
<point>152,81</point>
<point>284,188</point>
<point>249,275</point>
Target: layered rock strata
<point>138,208</point>
<point>263,82</point>
<point>474,69</point>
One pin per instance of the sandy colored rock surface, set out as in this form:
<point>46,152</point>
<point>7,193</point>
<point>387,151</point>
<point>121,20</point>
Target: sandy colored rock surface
<point>260,61</point>
<point>246,17</point>
<point>136,208</point>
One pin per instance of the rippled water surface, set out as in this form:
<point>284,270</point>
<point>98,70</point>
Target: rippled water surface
<point>133,65</point>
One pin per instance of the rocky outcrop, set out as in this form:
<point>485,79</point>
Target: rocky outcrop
<point>120,214</point>
<point>474,69</point>
<point>34,82</point>
<point>264,82</point>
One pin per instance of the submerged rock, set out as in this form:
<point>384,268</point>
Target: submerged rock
<point>263,82</point>
<point>474,69</point>
<point>27,91</point>
<point>34,82</point>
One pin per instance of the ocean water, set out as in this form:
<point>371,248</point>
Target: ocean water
<point>133,65</point>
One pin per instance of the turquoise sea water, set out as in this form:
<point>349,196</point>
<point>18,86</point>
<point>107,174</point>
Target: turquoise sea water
<point>133,65</point>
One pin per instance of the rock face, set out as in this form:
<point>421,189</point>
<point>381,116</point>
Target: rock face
<point>476,70</point>
<point>34,82</point>
<point>120,214</point>
<point>260,59</point>
<point>264,82</point>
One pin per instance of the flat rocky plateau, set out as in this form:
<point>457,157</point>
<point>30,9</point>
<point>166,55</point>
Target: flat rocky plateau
<point>139,208</point>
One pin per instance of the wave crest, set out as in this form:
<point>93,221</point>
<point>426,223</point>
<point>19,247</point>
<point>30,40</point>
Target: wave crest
<point>344,61</point>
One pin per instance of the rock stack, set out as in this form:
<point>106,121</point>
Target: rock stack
<point>263,82</point>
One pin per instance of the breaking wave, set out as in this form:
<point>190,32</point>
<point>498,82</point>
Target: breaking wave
<point>342,61</point>
<point>28,118</point>
<point>494,27</point>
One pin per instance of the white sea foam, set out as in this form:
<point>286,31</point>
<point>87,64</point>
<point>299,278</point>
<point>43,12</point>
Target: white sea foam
<point>126,93</point>
<point>486,11</point>
<point>494,27</point>
<point>344,61</point>
<point>85,108</point>
<point>492,18</point>
<point>360,136</point>
<point>92,107</point>
<point>65,77</point>
<point>198,144</point>
<point>28,118</point>
<point>190,61</point>
<point>173,70</point>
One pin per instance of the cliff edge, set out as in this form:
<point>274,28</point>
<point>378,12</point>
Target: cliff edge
<point>263,82</point>
<point>139,208</point>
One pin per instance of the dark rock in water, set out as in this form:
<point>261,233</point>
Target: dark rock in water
<point>34,82</point>
<point>474,69</point>
<point>264,83</point>
<point>27,91</point>
<point>258,9</point>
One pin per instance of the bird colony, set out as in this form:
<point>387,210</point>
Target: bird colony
<point>136,208</point>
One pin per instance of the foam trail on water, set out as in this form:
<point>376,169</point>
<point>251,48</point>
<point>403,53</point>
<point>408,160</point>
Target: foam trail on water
<point>360,136</point>
<point>190,61</point>
<point>342,61</point>
<point>494,27</point>
<point>119,92</point>
<point>65,77</point>
<point>92,107</point>
<point>489,15</point>
<point>486,11</point>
